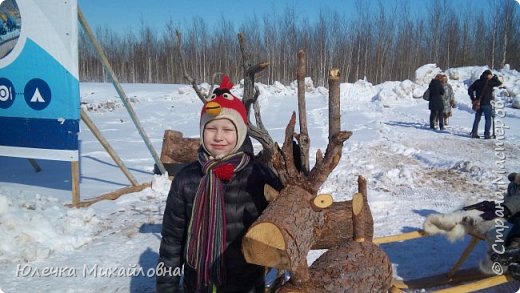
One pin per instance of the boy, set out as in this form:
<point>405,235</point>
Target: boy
<point>211,204</point>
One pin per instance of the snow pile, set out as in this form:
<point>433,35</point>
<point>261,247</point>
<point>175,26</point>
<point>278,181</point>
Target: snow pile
<point>392,92</point>
<point>309,85</point>
<point>34,227</point>
<point>425,73</point>
<point>361,91</point>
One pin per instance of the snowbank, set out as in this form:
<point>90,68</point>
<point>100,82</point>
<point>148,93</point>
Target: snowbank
<point>33,227</point>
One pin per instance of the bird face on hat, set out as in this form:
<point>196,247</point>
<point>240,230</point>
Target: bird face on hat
<point>223,105</point>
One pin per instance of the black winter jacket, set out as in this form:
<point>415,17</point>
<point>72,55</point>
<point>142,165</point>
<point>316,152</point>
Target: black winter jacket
<point>244,202</point>
<point>436,91</point>
<point>483,88</point>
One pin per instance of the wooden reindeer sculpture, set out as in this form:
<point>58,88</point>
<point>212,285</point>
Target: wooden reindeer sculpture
<point>297,219</point>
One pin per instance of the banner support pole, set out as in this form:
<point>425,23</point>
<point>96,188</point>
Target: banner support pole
<point>119,89</point>
<point>75,183</point>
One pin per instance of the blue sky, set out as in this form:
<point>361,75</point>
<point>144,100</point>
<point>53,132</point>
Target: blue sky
<point>121,15</point>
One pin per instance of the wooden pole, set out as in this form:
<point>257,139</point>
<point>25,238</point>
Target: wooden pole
<point>464,256</point>
<point>334,102</point>
<point>119,89</point>
<point>75,183</point>
<point>111,195</point>
<point>304,139</point>
<point>400,237</point>
<point>461,277</point>
<point>478,285</point>
<point>90,124</point>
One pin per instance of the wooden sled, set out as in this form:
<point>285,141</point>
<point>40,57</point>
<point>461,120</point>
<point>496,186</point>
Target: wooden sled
<point>455,280</point>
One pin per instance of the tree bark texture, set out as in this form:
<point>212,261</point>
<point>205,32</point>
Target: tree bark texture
<point>282,236</point>
<point>334,102</point>
<point>285,230</point>
<point>351,267</point>
<point>176,149</point>
<point>338,227</point>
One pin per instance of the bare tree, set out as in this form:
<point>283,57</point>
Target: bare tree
<point>378,43</point>
<point>509,10</point>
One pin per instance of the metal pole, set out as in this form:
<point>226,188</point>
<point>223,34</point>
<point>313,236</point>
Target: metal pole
<point>119,89</point>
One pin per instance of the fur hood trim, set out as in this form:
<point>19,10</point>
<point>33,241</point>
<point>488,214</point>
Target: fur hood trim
<point>457,224</point>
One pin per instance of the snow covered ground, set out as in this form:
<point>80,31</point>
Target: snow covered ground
<point>412,172</point>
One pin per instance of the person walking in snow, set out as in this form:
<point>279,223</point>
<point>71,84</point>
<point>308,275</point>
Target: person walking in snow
<point>211,204</point>
<point>448,99</point>
<point>435,103</point>
<point>481,91</point>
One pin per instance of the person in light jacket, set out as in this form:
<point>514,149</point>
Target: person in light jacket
<point>448,99</point>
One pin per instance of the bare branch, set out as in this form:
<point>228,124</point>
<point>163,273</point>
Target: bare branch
<point>319,157</point>
<point>188,77</point>
<point>250,97</point>
<point>324,167</point>
<point>320,172</point>
<point>213,82</point>
<point>334,102</point>
<point>249,70</point>
<point>288,151</point>
<point>257,68</point>
<point>259,132</point>
<point>303,139</point>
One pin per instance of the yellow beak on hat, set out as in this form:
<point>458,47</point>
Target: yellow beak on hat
<point>213,108</point>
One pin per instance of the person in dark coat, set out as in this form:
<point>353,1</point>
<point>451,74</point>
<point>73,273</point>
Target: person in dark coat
<point>211,204</point>
<point>482,89</point>
<point>435,104</point>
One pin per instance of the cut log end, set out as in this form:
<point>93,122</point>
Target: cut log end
<point>334,74</point>
<point>358,219</point>
<point>357,203</point>
<point>322,201</point>
<point>270,193</point>
<point>264,245</point>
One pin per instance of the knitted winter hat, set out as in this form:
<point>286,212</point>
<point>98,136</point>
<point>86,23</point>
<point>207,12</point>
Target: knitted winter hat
<point>222,104</point>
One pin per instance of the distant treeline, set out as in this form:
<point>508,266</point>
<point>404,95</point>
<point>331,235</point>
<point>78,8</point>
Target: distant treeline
<point>378,43</point>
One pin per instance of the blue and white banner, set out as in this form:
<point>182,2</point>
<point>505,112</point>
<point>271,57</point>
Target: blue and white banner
<point>39,82</point>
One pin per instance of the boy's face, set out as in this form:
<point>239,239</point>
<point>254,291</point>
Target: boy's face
<point>220,137</point>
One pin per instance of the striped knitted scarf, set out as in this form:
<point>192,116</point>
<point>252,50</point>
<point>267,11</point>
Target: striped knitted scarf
<point>207,230</point>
